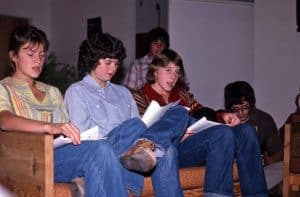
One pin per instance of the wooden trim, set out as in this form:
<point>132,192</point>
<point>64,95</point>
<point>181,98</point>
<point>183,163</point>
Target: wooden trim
<point>49,165</point>
<point>286,160</point>
<point>26,161</point>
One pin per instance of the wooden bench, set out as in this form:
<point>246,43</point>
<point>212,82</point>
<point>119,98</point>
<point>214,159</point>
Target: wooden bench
<point>26,169</point>
<point>291,161</point>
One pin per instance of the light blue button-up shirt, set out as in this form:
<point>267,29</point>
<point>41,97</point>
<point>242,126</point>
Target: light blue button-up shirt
<point>89,105</point>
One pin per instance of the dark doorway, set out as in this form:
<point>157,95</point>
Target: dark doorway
<point>7,24</point>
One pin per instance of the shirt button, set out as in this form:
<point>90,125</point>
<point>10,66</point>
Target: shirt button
<point>97,106</point>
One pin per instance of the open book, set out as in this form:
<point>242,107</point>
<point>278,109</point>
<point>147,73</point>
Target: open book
<point>154,112</point>
<point>201,125</point>
<point>90,134</point>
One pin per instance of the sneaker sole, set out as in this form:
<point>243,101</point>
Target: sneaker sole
<point>137,162</point>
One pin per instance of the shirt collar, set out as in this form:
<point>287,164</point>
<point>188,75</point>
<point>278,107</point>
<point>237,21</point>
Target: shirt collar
<point>23,84</point>
<point>92,85</point>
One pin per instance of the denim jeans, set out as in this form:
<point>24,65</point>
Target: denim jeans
<point>249,162</point>
<point>170,127</point>
<point>216,148</point>
<point>213,147</point>
<point>95,161</point>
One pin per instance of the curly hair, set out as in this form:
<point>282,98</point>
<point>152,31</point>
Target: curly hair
<point>237,92</point>
<point>99,46</point>
<point>163,59</point>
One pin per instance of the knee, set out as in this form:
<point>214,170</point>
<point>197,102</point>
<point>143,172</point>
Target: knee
<point>248,133</point>
<point>178,110</point>
<point>133,125</point>
<point>248,130</point>
<point>224,133</point>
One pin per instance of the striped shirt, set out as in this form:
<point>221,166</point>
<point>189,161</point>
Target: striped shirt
<point>16,96</point>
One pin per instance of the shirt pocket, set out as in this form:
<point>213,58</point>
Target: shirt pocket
<point>98,114</point>
<point>123,110</point>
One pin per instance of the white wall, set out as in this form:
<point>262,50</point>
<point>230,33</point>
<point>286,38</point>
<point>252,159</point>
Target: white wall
<point>147,15</point>
<point>277,59</point>
<point>69,24</point>
<point>215,40</point>
<point>222,41</point>
<point>65,22</point>
<point>37,11</point>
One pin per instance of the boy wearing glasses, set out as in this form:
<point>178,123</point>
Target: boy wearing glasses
<point>240,99</point>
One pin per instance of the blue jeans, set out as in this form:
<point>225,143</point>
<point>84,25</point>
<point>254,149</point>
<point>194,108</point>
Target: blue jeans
<point>169,128</point>
<point>95,161</point>
<point>216,148</point>
<point>249,162</point>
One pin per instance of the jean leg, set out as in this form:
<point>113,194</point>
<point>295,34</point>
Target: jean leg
<point>95,161</point>
<point>165,177</point>
<point>250,167</point>
<point>169,128</point>
<point>122,138</point>
<point>213,147</point>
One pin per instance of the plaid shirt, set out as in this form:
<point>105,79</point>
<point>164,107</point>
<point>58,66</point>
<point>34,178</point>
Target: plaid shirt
<point>16,96</point>
<point>136,74</point>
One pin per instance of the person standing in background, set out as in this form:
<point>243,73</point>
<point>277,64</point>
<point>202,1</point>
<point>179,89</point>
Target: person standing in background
<point>157,40</point>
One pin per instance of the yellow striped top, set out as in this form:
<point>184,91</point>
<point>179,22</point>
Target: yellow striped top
<point>16,96</point>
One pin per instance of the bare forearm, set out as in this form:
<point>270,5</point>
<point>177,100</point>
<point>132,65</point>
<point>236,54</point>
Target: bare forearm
<point>11,122</point>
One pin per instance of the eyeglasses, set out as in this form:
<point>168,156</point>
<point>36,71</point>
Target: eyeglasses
<point>241,108</point>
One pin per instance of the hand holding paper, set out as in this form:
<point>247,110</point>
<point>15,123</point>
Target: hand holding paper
<point>201,125</point>
<point>90,134</point>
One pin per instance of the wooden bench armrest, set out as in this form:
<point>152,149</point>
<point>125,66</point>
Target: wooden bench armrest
<point>26,161</point>
<point>26,167</point>
<point>291,167</point>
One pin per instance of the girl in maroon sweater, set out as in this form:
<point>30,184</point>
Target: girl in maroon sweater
<point>214,147</point>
